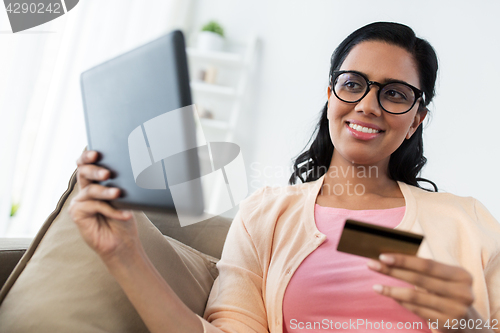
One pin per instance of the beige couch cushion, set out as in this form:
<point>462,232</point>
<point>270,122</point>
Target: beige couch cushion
<point>61,285</point>
<point>207,236</point>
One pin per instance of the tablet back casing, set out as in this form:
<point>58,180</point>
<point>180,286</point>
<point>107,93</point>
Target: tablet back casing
<point>124,93</point>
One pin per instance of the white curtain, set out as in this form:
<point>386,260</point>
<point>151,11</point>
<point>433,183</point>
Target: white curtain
<point>41,116</point>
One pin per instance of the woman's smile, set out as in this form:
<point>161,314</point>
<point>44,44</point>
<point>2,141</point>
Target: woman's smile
<point>363,131</point>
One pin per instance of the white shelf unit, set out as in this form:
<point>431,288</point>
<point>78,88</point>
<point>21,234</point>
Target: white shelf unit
<point>213,89</point>
<point>237,63</point>
<point>216,57</point>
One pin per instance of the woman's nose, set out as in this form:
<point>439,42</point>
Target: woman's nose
<point>369,104</point>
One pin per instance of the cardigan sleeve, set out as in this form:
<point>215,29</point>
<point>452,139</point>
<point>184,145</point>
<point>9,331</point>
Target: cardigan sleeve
<point>492,266</point>
<point>236,300</point>
<point>492,277</point>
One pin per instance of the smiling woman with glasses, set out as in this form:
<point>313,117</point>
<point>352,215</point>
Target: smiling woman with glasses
<point>382,78</point>
<point>280,270</point>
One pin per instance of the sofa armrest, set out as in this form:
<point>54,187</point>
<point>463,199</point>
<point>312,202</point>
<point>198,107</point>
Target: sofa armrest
<point>11,251</point>
<point>207,237</point>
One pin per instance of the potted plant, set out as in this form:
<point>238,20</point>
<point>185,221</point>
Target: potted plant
<point>211,37</point>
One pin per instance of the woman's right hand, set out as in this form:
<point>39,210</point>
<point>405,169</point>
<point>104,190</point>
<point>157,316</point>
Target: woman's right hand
<point>108,231</point>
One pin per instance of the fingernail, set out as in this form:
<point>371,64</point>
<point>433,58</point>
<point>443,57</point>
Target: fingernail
<point>374,265</point>
<point>378,288</point>
<point>102,173</point>
<point>111,191</point>
<point>386,259</point>
<point>126,214</point>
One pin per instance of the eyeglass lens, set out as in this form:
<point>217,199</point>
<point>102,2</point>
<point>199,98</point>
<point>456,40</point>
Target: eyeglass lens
<point>394,97</point>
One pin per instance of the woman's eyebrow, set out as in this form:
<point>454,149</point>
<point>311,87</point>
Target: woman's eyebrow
<point>388,79</point>
<point>393,80</point>
<point>385,80</point>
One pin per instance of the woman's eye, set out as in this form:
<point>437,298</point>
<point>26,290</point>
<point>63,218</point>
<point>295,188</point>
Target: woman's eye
<point>395,95</point>
<point>352,85</point>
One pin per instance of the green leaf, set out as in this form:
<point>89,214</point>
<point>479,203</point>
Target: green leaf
<point>215,27</point>
<point>14,208</point>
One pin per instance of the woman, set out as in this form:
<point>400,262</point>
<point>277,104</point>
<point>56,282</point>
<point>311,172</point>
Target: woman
<point>279,271</point>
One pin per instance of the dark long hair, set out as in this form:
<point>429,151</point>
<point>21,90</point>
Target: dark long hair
<point>407,161</point>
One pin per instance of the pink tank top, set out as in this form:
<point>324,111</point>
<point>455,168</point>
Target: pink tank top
<point>332,291</point>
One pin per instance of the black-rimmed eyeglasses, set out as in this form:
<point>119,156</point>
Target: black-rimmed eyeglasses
<point>395,97</point>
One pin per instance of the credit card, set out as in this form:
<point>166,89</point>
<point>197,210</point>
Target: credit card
<point>368,240</point>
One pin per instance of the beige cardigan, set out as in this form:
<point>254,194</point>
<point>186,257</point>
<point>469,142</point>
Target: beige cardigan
<point>275,230</point>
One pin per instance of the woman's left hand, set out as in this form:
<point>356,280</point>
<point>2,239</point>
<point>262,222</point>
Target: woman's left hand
<point>447,290</point>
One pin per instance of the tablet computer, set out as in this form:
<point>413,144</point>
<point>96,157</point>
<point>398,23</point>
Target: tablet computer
<point>139,117</point>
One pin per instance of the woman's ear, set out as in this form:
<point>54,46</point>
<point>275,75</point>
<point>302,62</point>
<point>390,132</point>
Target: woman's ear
<point>329,93</point>
<point>419,118</point>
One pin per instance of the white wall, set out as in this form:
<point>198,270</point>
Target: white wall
<point>41,112</point>
<point>298,38</point>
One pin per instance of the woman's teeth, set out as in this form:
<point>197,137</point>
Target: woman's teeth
<point>363,129</point>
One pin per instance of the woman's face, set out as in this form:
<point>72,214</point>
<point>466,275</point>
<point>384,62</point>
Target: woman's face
<point>379,62</point>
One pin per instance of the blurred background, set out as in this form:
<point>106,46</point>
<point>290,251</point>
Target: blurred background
<point>262,87</point>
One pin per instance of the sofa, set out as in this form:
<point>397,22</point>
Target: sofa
<point>55,283</point>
